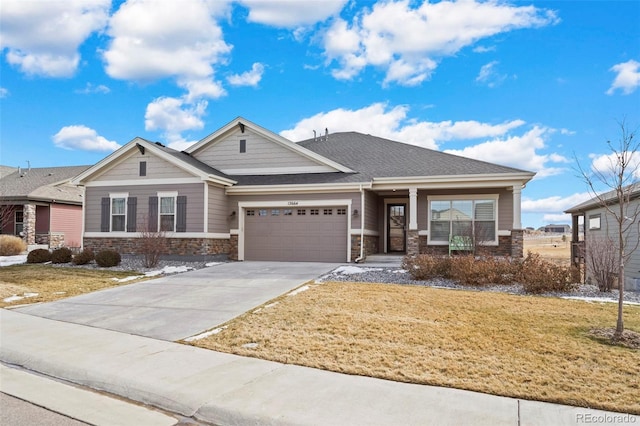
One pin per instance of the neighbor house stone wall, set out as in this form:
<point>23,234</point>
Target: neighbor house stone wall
<point>178,246</point>
<point>29,223</point>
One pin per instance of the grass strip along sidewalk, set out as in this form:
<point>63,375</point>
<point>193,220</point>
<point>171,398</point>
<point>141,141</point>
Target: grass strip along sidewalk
<point>528,347</point>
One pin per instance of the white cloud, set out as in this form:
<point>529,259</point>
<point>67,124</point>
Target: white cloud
<point>4,92</point>
<point>407,41</point>
<point>609,164</point>
<point>248,78</point>
<point>489,75</point>
<point>91,88</point>
<point>484,49</point>
<point>181,39</point>
<point>627,78</point>
<point>291,13</point>
<point>82,138</point>
<point>518,151</point>
<point>557,218</point>
<point>42,37</point>
<point>377,119</point>
<point>172,116</point>
<point>554,204</point>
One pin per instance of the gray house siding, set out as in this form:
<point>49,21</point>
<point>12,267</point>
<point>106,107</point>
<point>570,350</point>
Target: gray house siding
<point>260,154</point>
<point>371,211</point>
<point>218,220</point>
<point>195,203</point>
<point>609,228</point>
<point>129,169</point>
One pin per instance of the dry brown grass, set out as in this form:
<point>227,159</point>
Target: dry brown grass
<point>549,247</point>
<point>52,283</point>
<point>519,346</point>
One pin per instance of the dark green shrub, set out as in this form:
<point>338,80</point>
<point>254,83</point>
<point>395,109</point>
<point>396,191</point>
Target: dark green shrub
<point>61,255</point>
<point>11,245</point>
<point>84,257</point>
<point>424,266</point>
<point>539,276</point>
<point>108,258</point>
<point>38,256</point>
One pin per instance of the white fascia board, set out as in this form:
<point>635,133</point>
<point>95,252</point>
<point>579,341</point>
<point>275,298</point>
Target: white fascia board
<point>126,182</point>
<point>454,181</point>
<point>278,170</point>
<point>293,204</point>
<point>298,189</point>
<point>286,143</point>
<point>368,232</point>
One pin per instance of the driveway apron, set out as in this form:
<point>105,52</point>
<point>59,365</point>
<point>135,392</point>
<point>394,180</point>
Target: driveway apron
<point>178,306</point>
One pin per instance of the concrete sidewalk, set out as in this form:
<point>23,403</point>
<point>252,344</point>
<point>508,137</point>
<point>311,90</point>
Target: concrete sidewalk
<point>231,390</point>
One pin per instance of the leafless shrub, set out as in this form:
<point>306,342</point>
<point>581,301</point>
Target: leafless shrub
<point>540,276</point>
<point>11,246</point>
<point>152,243</point>
<point>601,257</point>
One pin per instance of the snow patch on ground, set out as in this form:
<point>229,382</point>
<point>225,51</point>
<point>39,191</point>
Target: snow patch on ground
<point>212,264</point>
<point>299,290</point>
<point>16,297</point>
<point>205,334</point>
<point>165,270</point>
<point>598,300</point>
<point>13,260</point>
<point>350,270</point>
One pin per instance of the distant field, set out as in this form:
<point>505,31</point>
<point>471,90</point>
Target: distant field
<point>550,247</point>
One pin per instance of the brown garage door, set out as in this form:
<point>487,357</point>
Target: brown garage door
<point>312,234</point>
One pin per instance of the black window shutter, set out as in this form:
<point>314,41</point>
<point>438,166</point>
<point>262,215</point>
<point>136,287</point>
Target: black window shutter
<point>105,212</point>
<point>132,205</point>
<point>153,214</point>
<point>181,214</point>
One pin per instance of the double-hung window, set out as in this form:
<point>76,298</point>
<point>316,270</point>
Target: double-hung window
<point>465,216</point>
<point>167,211</point>
<point>118,212</point>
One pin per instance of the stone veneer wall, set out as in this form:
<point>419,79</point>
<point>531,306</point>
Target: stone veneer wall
<point>29,223</point>
<point>233,247</point>
<point>370,246</point>
<point>178,246</point>
<point>508,246</point>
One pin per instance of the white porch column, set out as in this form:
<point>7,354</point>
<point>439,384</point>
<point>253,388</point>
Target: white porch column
<point>413,209</point>
<point>517,200</point>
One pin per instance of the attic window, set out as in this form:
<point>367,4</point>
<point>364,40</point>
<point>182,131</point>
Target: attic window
<point>243,146</point>
<point>143,168</point>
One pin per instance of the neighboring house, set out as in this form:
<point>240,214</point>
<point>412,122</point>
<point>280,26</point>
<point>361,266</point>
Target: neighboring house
<point>248,192</point>
<point>591,220</point>
<point>41,206</point>
<point>556,229</point>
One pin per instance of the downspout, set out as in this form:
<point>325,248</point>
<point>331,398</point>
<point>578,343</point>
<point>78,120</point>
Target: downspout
<point>361,258</point>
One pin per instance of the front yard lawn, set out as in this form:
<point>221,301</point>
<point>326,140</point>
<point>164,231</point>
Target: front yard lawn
<point>526,347</point>
<point>41,283</point>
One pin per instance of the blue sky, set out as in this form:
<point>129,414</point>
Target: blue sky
<point>526,84</point>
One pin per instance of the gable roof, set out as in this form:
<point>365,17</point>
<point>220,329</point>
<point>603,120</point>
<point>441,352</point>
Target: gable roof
<point>375,158</point>
<point>243,123</point>
<point>42,184</point>
<point>178,158</point>
<point>609,197</point>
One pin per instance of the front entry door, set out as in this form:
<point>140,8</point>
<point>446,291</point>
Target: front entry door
<point>396,220</point>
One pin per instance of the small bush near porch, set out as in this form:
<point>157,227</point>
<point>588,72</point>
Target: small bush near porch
<point>536,275</point>
<point>536,348</point>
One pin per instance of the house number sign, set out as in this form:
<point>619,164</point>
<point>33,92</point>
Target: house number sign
<point>292,203</point>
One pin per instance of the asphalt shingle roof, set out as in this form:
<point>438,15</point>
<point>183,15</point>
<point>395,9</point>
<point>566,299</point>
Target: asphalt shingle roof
<point>186,158</point>
<point>372,156</point>
<point>42,183</point>
<point>609,197</point>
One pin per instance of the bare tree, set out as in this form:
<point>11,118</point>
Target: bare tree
<point>601,258</point>
<point>621,176</point>
<point>152,243</point>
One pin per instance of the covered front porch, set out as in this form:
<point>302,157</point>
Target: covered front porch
<point>398,220</point>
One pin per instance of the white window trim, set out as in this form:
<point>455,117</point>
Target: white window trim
<point>471,197</point>
<point>116,195</point>
<point>168,194</point>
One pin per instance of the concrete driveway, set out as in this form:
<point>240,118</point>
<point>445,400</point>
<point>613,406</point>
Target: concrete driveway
<point>179,306</point>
